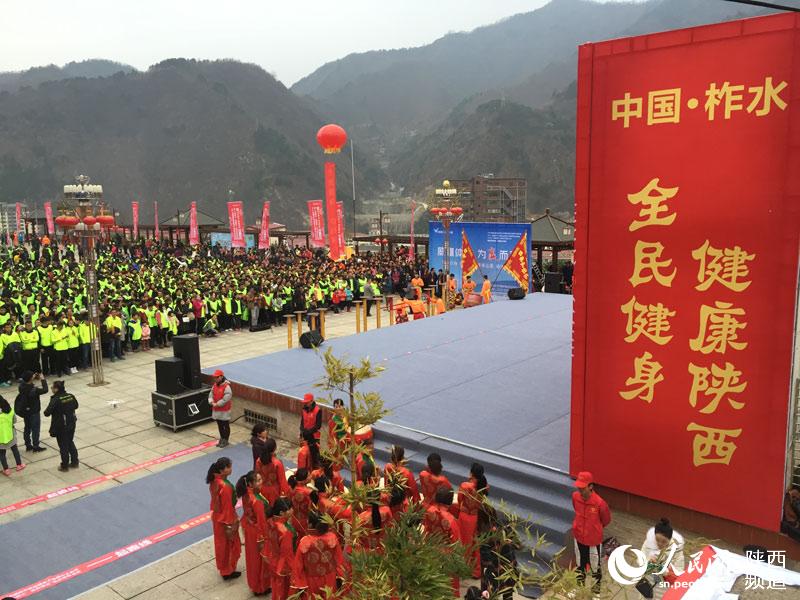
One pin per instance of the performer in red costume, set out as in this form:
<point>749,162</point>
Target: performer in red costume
<point>300,498</point>
<point>318,560</point>
<point>404,477</point>
<point>470,498</point>
<point>273,475</point>
<point>227,545</point>
<point>279,549</point>
<point>439,519</point>
<point>432,480</point>
<point>255,509</point>
<point>308,456</point>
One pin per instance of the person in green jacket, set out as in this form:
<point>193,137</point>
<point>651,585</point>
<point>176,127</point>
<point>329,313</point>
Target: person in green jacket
<point>73,342</point>
<point>8,437</point>
<point>45,330</point>
<point>135,326</point>
<point>60,338</point>
<point>29,338</point>
<point>85,340</point>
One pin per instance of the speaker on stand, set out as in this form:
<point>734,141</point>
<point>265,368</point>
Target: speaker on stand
<point>187,348</point>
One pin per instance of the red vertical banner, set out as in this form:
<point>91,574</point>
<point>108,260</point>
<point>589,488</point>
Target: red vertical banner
<point>158,229</point>
<point>263,235</point>
<point>48,215</point>
<point>340,227</point>
<point>332,210</point>
<point>194,232</point>
<point>687,167</point>
<point>316,223</point>
<point>19,218</point>
<point>411,249</point>
<point>236,221</point>
<point>135,212</point>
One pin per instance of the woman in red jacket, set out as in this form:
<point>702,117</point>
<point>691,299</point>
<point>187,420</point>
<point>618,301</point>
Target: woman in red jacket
<point>273,475</point>
<point>432,480</point>
<point>279,549</point>
<point>254,523</point>
<point>318,560</point>
<point>404,477</point>
<point>300,497</point>
<point>227,545</point>
<point>470,498</point>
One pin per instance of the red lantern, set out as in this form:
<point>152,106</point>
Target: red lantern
<point>105,220</point>
<point>67,221</point>
<point>89,220</point>
<point>331,138</point>
<point>377,241</point>
<point>435,211</point>
<point>384,241</point>
<point>457,210</point>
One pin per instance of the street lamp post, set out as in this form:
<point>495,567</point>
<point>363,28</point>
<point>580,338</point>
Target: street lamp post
<point>446,212</point>
<point>84,209</point>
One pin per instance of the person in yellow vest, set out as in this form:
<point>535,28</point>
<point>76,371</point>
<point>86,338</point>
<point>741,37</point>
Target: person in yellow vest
<point>113,323</point>
<point>12,349</point>
<point>45,329</point>
<point>74,343</point>
<point>8,437</point>
<point>486,290</point>
<point>135,325</point>
<point>85,340</point>
<point>173,323</point>
<point>29,338</point>
<point>60,338</point>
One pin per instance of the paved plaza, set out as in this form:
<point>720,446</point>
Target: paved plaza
<point>112,438</point>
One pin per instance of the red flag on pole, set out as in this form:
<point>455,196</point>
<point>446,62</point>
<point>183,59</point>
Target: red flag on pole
<point>194,233</point>
<point>236,221</point>
<point>135,211</point>
<point>48,214</point>
<point>517,263</point>
<point>340,226</point>
<point>469,264</point>
<point>158,230</point>
<point>316,223</point>
<point>411,249</point>
<point>332,210</point>
<point>263,235</point>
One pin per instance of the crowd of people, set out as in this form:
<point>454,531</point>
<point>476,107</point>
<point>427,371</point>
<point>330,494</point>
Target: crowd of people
<point>150,292</point>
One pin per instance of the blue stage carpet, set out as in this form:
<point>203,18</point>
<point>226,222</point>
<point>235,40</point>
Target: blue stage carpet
<point>494,376</point>
<point>57,539</point>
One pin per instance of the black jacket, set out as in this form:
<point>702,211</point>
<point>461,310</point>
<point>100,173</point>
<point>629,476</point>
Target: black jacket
<point>28,399</point>
<point>61,409</point>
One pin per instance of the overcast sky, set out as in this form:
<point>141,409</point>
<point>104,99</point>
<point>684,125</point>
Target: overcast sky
<point>289,38</point>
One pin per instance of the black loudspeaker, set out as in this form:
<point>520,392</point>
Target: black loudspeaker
<point>516,293</point>
<point>552,283</point>
<point>169,375</point>
<point>311,339</point>
<point>187,347</point>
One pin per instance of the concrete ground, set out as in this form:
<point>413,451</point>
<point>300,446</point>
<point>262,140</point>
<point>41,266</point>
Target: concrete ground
<point>110,439</point>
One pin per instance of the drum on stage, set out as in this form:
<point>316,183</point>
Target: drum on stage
<point>473,299</point>
<point>364,434</point>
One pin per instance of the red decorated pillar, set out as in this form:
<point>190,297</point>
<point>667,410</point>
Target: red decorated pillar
<point>332,138</point>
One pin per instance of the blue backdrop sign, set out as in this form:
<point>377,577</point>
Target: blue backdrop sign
<point>491,243</point>
<point>224,240</point>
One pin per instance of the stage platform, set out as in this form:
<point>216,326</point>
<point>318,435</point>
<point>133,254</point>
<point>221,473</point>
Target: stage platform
<point>495,377</point>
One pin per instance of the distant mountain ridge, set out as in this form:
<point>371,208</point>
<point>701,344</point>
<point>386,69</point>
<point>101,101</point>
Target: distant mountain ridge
<point>12,81</point>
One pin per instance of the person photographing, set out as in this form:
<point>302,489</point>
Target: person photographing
<point>28,405</point>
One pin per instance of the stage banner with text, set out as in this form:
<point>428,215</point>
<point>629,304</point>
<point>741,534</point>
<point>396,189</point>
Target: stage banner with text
<point>224,240</point>
<point>492,245</point>
<point>194,231</point>
<point>687,206</point>
<point>135,215</point>
<point>236,222</point>
<point>263,234</point>
<point>316,222</point>
<point>340,227</point>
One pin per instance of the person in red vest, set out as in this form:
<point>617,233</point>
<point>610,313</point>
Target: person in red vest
<point>439,520</point>
<point>220,398</point>
<point>319,560</point>
<point>254,524</point>
<point>591,516</point>
<point>470,498</point>
<point>279,549</point>
<point>227,545</point>
<point>432,480</point>
<point>311,417</point>
<point>300,498</point>
<point>273,475</point>
<point>404,478</point>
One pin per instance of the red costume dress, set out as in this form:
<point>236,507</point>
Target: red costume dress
<point>337,432</point>
<point>410,483</point>
<point>300,497</point>
<point>361,460</point>
<point>469,502</point>
<point>372,541</point>
<point>439,520</point>
<point>273,479</point>
<point>318,561</point>
<point>279,550</point>
<point>254,524</point>
<point>429,484</point>
<point>227,545</point>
